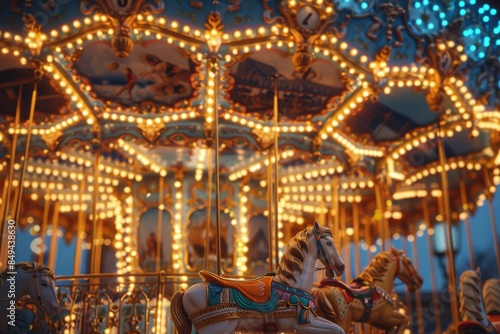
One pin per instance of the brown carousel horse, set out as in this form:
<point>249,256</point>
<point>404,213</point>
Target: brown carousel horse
<point>368,299</point>
<point>479,317</point>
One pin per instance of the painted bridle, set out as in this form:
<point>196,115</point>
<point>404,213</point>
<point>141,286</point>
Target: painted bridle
<point>321,251</point>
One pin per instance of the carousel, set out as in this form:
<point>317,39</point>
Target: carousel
<point>237,166</point>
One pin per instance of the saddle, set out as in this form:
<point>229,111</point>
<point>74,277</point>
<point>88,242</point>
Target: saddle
<point>359,290</point>
<point>257,290</point>
<point>356,290</point>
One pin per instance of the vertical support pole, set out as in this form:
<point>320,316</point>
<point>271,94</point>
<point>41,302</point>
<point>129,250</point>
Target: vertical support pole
<point>159,225</point>
<point>380,219</point>
<point>80,229</point>
<point>465,206</point>
<point>55,238</point>
<point>345,244</point>
<point>38,78</point>
<point>45,219</point>
<point>408,303</point>
<point>98,253</point>
<point>270,216</point>
<point>208,219</point>
<point>8,185</point>
<point>418,295</point>
<point>355,219</point>
<point>335,212</point>
<point>215,70</point>
<point>451,256</point>
<point>430,250</point>
<point>95,218</point>
<point>489,197</point>
<point>276,178</point>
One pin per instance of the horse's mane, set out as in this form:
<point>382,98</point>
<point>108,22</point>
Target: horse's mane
<point>491,296</point>
<point>27,267</point>
<point>471,306</point>
<point>378,266</point>
<point>292,258</point>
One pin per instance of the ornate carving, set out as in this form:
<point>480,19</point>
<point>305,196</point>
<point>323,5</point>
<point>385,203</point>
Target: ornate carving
<point>392,11</point>
<point>151,131</point>
<point>52,139</point>
<point>306,23</point>
<point>265,139</point>
<point>121,16</point>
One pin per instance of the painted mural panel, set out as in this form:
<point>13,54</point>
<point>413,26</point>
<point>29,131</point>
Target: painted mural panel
<point>301,95</point>
<point>154,72</point>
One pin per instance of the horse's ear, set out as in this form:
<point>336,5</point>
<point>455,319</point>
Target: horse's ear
<point>317,227</point>
<point>394,250</point>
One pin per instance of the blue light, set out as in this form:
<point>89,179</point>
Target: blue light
<point>425,2</point>
<point>486,7</point>
<point>487,41</point>
<point>419,21</point>
<point>463,12</point>
<point>472,2</point>
<point>481,54</point>
<point>493,11</point>
<point>418,5</point>
<point>442,15</point>
<point>364,5</point>
<point>466,33</point>
<point>435,8</point>
<point>481,11</point>
<point>430,26</point>
<point>477,31</point>
<point>444,23</point>
<point>472,48</point>
<point>486,18</point>
<point>498,42</point>
<point>461,3</point>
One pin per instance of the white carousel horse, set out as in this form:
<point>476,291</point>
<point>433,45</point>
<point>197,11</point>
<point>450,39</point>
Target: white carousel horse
<point>368,299</point>
<point>479,317</point>
<point>26,278</point>
<point>270,303</point>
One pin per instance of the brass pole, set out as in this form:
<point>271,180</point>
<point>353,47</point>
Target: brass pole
<point>489,196</point>
<point>38,78</point>
<point>45,219</point>
<point>407,293</point>
<point>380,208</point>
<point>215,66</point>
<point>80,228</point>
<point>98,253</point>
<point>465,206</point>
<point>95,218</point>
<point>451,256</point>
<point>159,225</point>
<point>430,251</point>
<point>270,229</point>
<point>355,218</point>
<point>345,244</point>
<point>418,295</point>
<point>8,184</point>
<point>208,223</point>
<point>276,177</point>
<point>335,212</point>
<point>55,238</point>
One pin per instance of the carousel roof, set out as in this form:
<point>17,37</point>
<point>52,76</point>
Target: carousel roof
<point>364,91</point>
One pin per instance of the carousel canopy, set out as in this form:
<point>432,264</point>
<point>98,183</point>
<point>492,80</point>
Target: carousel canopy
<point>357,96</point>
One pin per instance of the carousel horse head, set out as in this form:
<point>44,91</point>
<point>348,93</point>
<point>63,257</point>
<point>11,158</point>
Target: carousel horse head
<point>405,270</point>
<point>299,247</point>
<point>31,279</point>
<point>398,261</point>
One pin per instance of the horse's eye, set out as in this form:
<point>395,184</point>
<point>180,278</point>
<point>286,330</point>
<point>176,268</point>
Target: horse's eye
<point>329,244</point>
<point>44,284</point>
